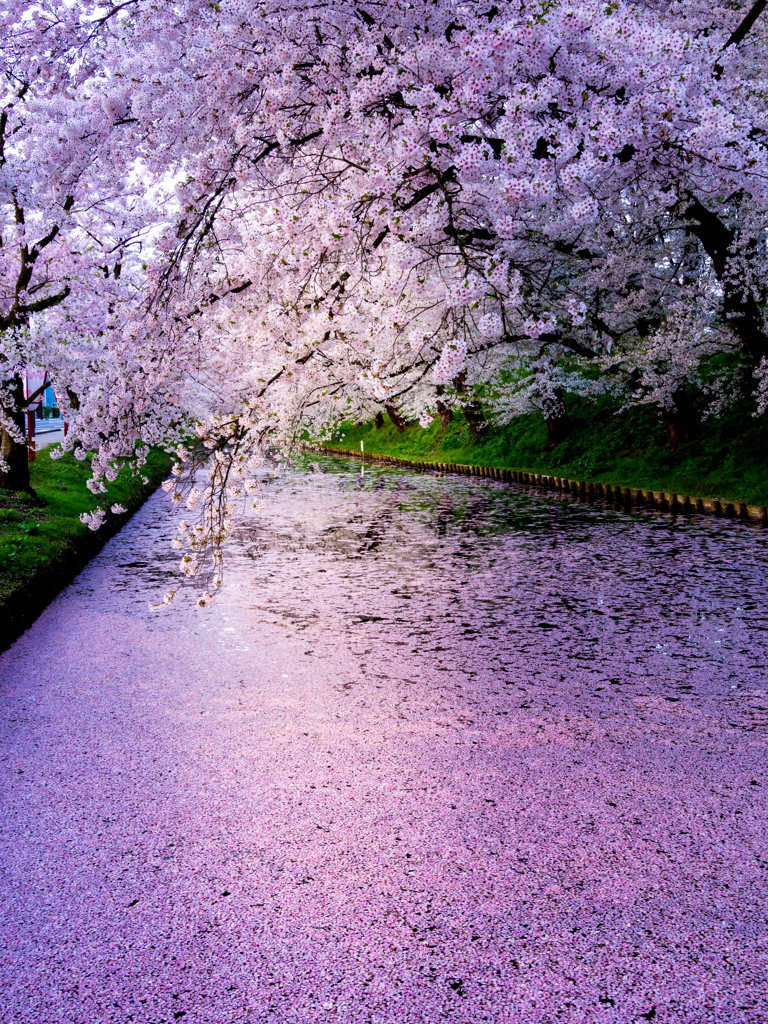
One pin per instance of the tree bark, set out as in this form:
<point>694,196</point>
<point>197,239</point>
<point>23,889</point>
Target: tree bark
<point>399,421</point>
<point>15,454</point>
<point>446,415</point>
<point>556,418</point>
<point>678,419</point>
<point>473,410</point>
<point>378,419</point>
<point>739,306</point>
<point>552,399</point>
<point>443,411</point>
<point>746,23</point>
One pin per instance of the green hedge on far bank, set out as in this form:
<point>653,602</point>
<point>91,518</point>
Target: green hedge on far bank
<point>726,458</point>
<point>43,544</point>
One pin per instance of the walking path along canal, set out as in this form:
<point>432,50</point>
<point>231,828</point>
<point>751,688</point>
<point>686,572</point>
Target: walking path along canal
<point>441,751</point>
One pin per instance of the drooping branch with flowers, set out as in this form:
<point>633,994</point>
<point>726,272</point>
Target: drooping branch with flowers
<point>326,211</point>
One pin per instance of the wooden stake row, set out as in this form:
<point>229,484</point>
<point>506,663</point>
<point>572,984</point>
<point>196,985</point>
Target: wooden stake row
<point>630,496</point>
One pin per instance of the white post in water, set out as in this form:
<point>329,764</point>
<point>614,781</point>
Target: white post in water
<point>362,449</point>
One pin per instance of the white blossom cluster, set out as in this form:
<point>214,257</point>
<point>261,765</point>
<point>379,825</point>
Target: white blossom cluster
<point>426,202</point>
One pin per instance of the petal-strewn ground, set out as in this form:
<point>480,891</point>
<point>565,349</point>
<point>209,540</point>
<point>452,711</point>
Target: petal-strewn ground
<point>440,752</point>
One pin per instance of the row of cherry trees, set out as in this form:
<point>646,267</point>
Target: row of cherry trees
<point>225,222</point>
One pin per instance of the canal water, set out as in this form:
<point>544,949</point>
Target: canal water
<point>442,750</point>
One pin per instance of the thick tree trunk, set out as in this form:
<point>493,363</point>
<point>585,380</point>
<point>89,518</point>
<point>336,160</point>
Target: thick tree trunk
<point>378,419</point>
<point>739,305</point>
<point>399,421</point>
<point>478,426</point>
<point>15,454</point>
<point>446,415</point>
<point>678,419</point>
<point>17,457</point>
<point>443,411</point>
<point>552,400</point>
<point>473,410</point>
<point>557,422</point>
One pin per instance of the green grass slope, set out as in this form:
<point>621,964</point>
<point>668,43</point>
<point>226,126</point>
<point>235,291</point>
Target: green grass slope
<point>726,458</point>
<point>43,544</point>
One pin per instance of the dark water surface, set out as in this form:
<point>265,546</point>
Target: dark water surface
<point>443,750</point>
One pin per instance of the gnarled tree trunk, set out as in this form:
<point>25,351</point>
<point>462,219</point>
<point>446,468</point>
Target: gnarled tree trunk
<point>678,419</point>
<point>740,307</point>
<point>446,415</point>
<point>397,418</point>
<point>556,418</point>
<point>443,411</point>
<point>473,410</point>
<point>14,454</point>
<point>552,400</point>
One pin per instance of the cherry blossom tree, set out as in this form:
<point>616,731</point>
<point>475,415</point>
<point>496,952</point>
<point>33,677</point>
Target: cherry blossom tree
<point>68,221</point>
<point>357,207</point>
<point>381,152</point>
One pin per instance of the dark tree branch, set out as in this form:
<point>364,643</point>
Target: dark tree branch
<point>740,308</point>
<point>746,23</point>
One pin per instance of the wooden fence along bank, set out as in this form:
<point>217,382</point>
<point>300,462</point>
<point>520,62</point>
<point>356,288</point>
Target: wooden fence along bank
<point>586,490</point>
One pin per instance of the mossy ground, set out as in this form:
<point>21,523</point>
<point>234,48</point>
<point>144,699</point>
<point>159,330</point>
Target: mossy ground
<point>37,535</point>
<point>727,457</point>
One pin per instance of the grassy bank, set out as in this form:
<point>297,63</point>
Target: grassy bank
<point>726,458</point>
<point>43,544</point>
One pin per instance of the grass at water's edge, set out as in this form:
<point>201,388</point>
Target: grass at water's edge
<point>43,544</point>
<point>726,458</point>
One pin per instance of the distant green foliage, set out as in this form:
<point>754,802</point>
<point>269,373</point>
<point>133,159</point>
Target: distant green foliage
<point>36,534</point>
<point>727,457</point>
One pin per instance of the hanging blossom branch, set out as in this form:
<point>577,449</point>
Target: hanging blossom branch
<point>361,195</point>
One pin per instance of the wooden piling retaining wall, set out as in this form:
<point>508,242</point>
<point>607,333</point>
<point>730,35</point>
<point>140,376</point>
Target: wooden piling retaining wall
<point>631,496</point>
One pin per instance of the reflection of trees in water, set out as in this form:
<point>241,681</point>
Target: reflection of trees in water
<point>383,510</point>
<point>477,513</point>
<point>457,571</point>
<point>360,533</point>
<point>443,514</point>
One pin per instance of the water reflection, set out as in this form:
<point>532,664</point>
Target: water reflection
<point>442,750</point>
<point>494,582</point>
<point>431,562</point>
